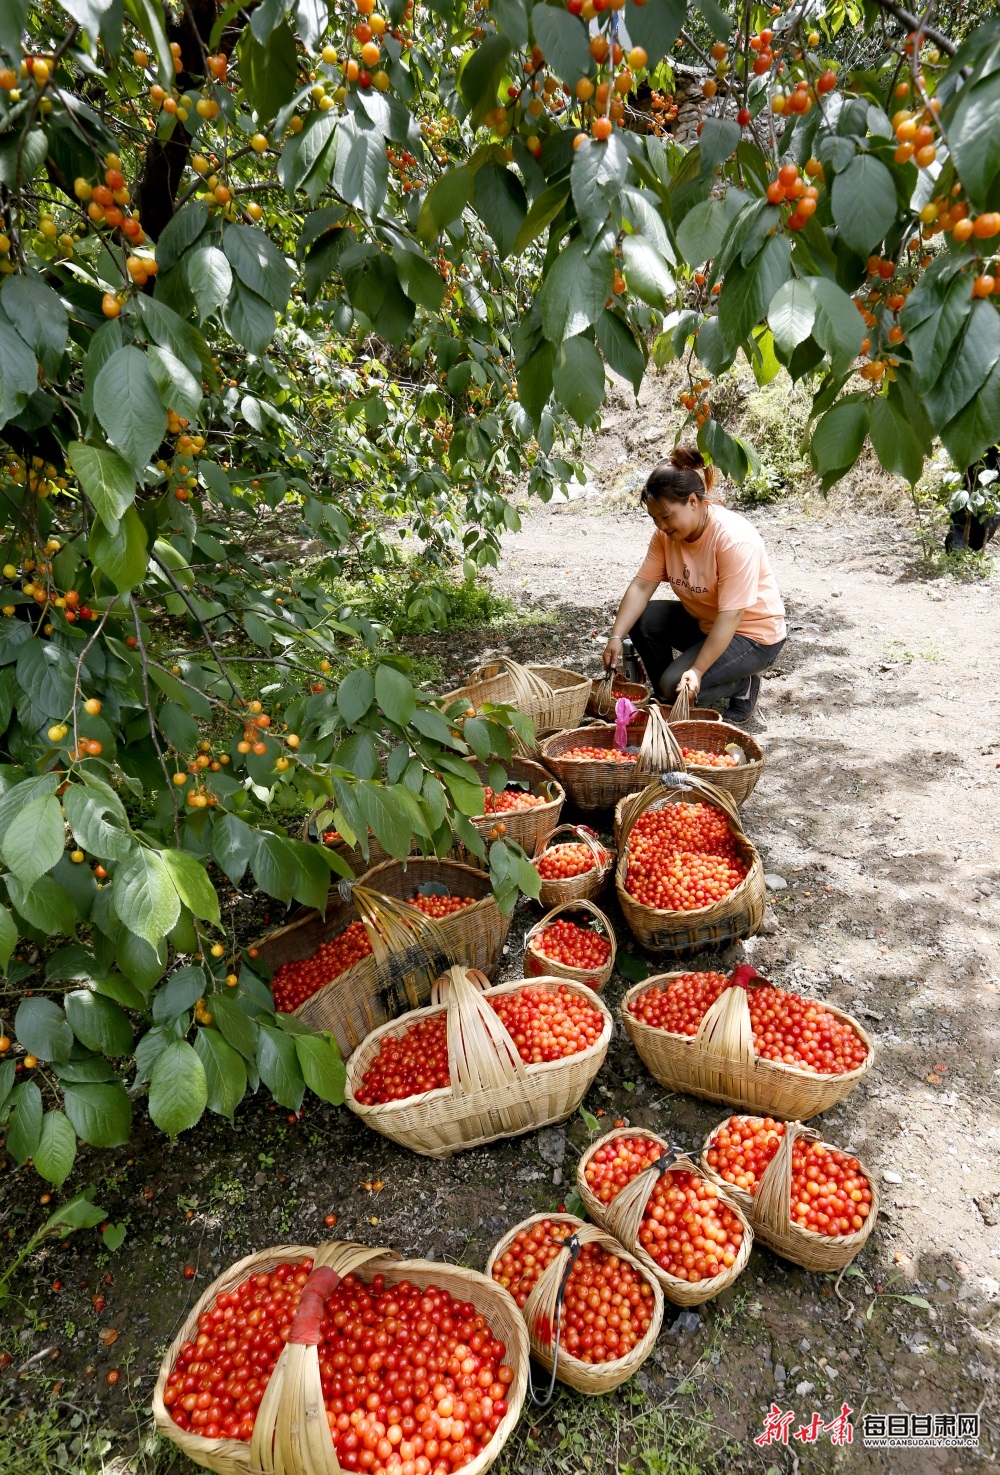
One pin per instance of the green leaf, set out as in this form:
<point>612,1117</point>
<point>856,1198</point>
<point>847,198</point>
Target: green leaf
<point>576,286</point>
<point>141,964</point>
<point>382,813</point>
<point>499,197</point>
<point>646,272</point>
<point>544,210</point>
<point>420,280</point>
<point>268,73</point>
<point>180,232</point>
<point>178,1088</point>
<point>44,905</point>
<point>18,371</point>
<point>312,884</point>
<point>182,989</point>
<point>749,290</point>
<point>763,359</point>
<point>946,307</point>
<point>973,138</point>
<point>13,21</point>
<point>275,866</point>
<point>192,884</point>
<point>147,16</point>
<point>123,555</point>
<point>578,378</point>
<point>55,1154</point>
<point>98,1023</point>
<point>8,938</point>
<point>838,438</point>
<point>249,320</point>
<point>444,202</point>
<point>322,1067</point>
<point>969,362</point>
<point>179,390</point>
<point>233,845</point>
<point>655,26</point>
<point>210,277</point>
<point>702,231</point>
<point>35,839</point>
<point>839,327</point>
<point>145,897</point>
<point>632,967</point>
<point>534,381</point>
<point>480,76</point>
<point>225,1072</point>
<point>973,429</point>
<point>718,140</point>
<point>864,202</point>
<point>895,444</point>
<point>113,1236</point>
<point>724,451</point>
<point>236,1027</point>
<point>21,157</point>
<point>792,313</point>
<point>258,264</point>
<point>78,1212</point>
<point>127,403</point>
<point>625,353</point>
<point>277,1062</point>
<point>101,1114</point>
<point>394,695</point>
<point>24,1129</point>
<point>107,479</point>
<point>46,671</point>
<point>564,42</point>
<point>87,812</point>
<point>361,168</point>
<point>38,315</point>
<point>149,1049</point>
<point>712,348</point>
<point>718,22</point>
<point>43,1029</point>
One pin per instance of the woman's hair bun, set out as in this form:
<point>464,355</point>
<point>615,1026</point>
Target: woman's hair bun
<point>687,458</point>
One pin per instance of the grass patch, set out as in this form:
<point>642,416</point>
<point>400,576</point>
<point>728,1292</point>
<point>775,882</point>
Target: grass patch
<point>407,605</point>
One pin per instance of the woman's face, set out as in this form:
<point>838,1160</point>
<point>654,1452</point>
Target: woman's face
<point>679,520</point>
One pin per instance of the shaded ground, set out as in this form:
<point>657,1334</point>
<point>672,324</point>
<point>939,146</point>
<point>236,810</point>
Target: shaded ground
<point>878,808</point>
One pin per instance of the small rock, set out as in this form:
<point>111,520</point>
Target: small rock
<point>552,1145</point>
<point>951,1349</point>
<point>803,1388</point>
<point>836,593</point>
<point>755,1309</point>
<point>779,1372</point>
<point>775,883</point>
<point>260,1178</point>
<point>688,1321</point>
<point>943,1285</point>
<point>770,924</point>
<point>891,1178</point>
<point>557,1178</point>
<point>805,1344</point>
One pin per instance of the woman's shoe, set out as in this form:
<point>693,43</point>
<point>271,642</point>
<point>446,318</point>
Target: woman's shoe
<point>741,709</point>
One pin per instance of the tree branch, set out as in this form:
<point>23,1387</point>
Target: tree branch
<point>912,23</point>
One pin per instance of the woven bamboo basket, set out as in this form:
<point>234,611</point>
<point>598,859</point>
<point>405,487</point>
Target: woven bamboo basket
<point>542,1308</point>
<point>551,697</point>
<point>291,1435</point>
<point>769,1208</point>
<point>493,1094</point>
<point>605,691</point>
<point>593,784</point>
<point>529,828</point>
<point>713,737</point>
<point>536,962</point>
<point>622,1217</point>
<point>588,883</point>
<point>719,1064</point>
<point>734,916</point>
<point>399,975</point>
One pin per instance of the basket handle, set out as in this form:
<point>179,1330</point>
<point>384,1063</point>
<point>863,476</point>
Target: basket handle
<point>332,1261</point>
<point>773,1199</point>
<point>602,855</point>
<point>659,752</point>
<point>481,1054</point>
<point>681,709</point>
<point>623,1215</point>
<point>605,699</point>
<point>543,1308</point>
<point>725,1029</point>
<point>527,684</point>
<point>584,904</point>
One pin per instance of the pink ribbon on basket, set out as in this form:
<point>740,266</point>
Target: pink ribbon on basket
<point>624,712</point>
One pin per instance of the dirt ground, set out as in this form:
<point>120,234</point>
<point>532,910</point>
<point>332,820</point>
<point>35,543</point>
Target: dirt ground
<point>878,812</point>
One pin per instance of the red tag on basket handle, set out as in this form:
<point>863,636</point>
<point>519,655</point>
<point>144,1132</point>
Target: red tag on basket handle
<point>305,1328</point>
<point>743,976</point>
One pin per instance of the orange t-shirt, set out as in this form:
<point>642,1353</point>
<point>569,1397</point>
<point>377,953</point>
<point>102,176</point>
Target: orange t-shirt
<point>727,568</point>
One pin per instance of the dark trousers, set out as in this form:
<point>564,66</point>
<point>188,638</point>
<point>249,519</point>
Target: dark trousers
<point>665,627</point>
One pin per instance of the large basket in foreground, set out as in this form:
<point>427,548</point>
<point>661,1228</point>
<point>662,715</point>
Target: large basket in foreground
<point>736,915</point>
<point>769,1208</point>
<point>376,989</point>
<point>492,1094</point>
<point>291,1435</point>
<point>719,1063</point>
<point>622,1217</point>
<point>551,697</point>
<point>538,962</point>
<point>540,1308</point>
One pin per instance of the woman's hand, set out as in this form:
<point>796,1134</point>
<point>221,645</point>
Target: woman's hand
<point>612,652</point>
<point>690,682</point>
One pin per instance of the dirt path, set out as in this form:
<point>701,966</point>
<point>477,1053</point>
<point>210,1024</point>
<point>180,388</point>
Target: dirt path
<point>879,809</point>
